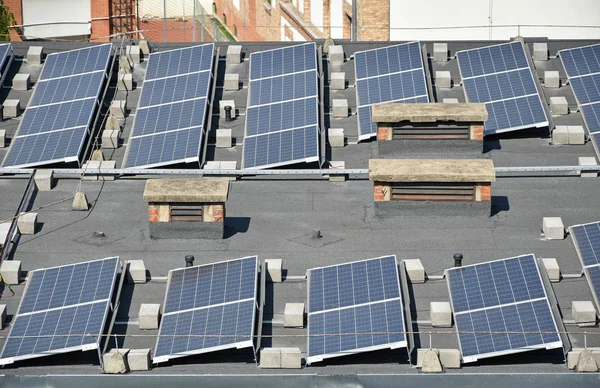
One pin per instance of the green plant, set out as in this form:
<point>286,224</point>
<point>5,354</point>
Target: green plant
<point>7,19</point>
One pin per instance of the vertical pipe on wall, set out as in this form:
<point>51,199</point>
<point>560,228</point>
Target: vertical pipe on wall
<point>353,32</point>
<point>165,20</point>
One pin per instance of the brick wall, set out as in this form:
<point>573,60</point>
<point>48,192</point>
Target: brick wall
<point>373,19</point>
<point>384,132</point>
<point>476,132</point>
<point>16,8</point>
<point>100,28</point>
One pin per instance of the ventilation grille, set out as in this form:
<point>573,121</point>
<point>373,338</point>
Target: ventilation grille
<point>187,212</point>
<point>448,132</point>
<point>433,192</point>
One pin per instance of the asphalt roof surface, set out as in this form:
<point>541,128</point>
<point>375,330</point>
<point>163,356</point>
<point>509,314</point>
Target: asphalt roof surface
<point>274,218</point>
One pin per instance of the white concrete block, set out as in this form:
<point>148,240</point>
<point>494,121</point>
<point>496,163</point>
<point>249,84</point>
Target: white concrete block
<point>552,269</point>
<point>228,165</point>
<point>223,104</point>
<point>12,108</point>
<point>440,314</point>
<point>27,223</point>
<point>337,165</point>
<point>443,79</point>
<point>4,229</point>
<point>2,315</point>
<point>336,55</point>
<point>293,315</point>
<point>573,356</point>
<point>234,55</point>
<point>35,55</point>
<point>450,100</point>
<point>139,359</point>
<point>335,137</point>
<point>340,108</point>
<point>118,108</point>
<point>551,79</point>
<point>145,46</point>
<point>107,165</point>
<point>440,52</point>
<point>115,361</point>
<point>338,81</point>
<point>21,82</point>
<point>110,139</point>
<point>148,315</point>
<point>136,271</point>
<point>112,122</point>
<point>11,271</point>
<point>2,138</point>
<point>134,54</point>
<point>431,361</point>
<point>91,172</point>
<point>415,270</point>
<point>44,179</point>
<point>576,135</point>
<point>560,135</point>
<point>125,82</point>
<point>232,82</point>
<point>450,358</point>
<point>125,65</point>
<point>553,228</point>
<point>559,105</point>
<point>588,161</point>
<point>291,358</point>
<point>274,270</point>
<point>224,139</point>
<point>584,313</point>
<point>270,358</point>
<point>540,51</point>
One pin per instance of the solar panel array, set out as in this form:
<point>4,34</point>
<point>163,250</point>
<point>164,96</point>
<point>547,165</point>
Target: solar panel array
<point>387,74</point>
<point>500,77</point>
<point>57,121</point>
<point>583,69</point>
<point>282,119</point>
<point>208,308</point>
<point>586,238</point>
<point>501,307</point>
<point>6,53</point>
<point>63,309</point>
<point>169,125</point>
<point>354,307</point>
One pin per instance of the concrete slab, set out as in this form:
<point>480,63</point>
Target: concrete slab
<point>139,359</point>
<point>12,108</point>
<point>339,108</point>
<point>2,315</point>
<point>429,113</point>
<point>11,271</point>
<point>540,51</point>
<point>560,135</point>
<point>415,270</point>
<point>588,161</point>
<point>136,271</point>
<point>148,316</point>
<point>336,55</point>
<point>440,314</point>
<point>432,170</point>
<point>232,82</point>
<point>443,79</point>
<point>551,79</point>
<point>27,223</point>
<point>274,270</point>
<point>234,55</point>
<point>21,82</point>
<point>335,137</point>
<point>35,55</point>
<point>338,81</point>
<point>44,179</point>
<point>186,190</point>
<point>576,135</point>
<point>293,315</point>
<point>552,269</point>
<point>291,358</point>
<point>115,361</point>
<point>270,358</point>
<point>110,139</point>
<point>80,202</point>
<point>440,52</point>
<point>553,228</point>
<point>2,138</point>
<point>125,82</point>
<point>584,313</point>
<point>118,108</point>
<point>224,139</point>
<point>559,105</point>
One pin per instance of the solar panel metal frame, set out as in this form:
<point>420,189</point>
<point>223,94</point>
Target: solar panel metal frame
<point>96,345</point>
<point>88,127</point>
<point>586,268</point>
<point>394,345</point>
<point>234,345</point>
<point>205,125</point>
<point>5,62</point>
<point>544,106</point>
<point>320,132</point>
<point>547,346</point>
<point>423,72</point>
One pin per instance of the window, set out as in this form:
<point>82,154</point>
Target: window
<point>224,19</point>
<point>236,4</point>
<point>214,9</point>
<point>235,32</point>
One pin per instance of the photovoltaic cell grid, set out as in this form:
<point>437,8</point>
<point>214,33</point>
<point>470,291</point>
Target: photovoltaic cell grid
<point>501,307</point>
<point>586,238</point>
<point>354,307</point>
<point>208,308</point>
<point>63,309</point>
<point>57,120</point>
<point>282,120</point>
<point>5,51</point>
<point>169,123</point>
<point>500,77</point>
<point>582,66</point>
<point>388,74</point>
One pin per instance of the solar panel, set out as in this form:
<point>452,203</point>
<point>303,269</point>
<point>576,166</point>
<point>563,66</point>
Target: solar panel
<point>354,307</point>
<point>388,74</point>
<point>169,125</point>
<point>500,77</point>
<point>282,119</point>
<point>582,65</point>
<point>208,308</point>
<point>501,307</point>
<point>6,56</point>
<point>586,238</point>
<point>63,309</point>
<point>57,120</point>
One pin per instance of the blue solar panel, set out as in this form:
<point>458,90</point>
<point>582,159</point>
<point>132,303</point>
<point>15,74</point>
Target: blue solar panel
<point>500,77</point>
<point>79,61</point>
<point>591,115</point>
<point>586,88</point>
<point>66,89</point>
<point>63,309</point>
<point>593,278</point>
<point>169,123</point>
<point>388,74</point>
<point>501,307</point>
<point>581,60</point>
<point>208,308</point>
<point>282,119</point>
<point>354,307</point>
<point>587,240</point>
<point>55,118</point>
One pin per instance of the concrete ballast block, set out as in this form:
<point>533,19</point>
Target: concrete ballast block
<point>335,136</point>
<point>112,122</point>
<point>35,55</point>
<point>224,139</point>
<point>90,169</point>
<point>552,269</point>
<point>293,315</point>
<point>223,104</point>
<point>588,161</point>
<point>586,362</point>
<point>110,139</point>
<point>340,108</point>
<point>145,47</point>
<point>125,82</point>
<point>560,135</point>
<point>11,271</point>
<point>44,179</point>
<point>232,81</point>
<point>115,361</point>
<point>576,135</point>
<point>117,108</point>
<point>274,270</point>
<point>450,358</point>
<point>291,358</point>
<point>337,165</point>
<point>2,315</point>
<point>338,81</point>
<point>559,105</point>
<point>234,55</point>
<point>450,100</point>
<point>431,362</point>
<point>540,51</point>
<point>80,202</point>
<point>27,223</point>
<point>415,270</point>
<point>584,313</point>
<point>553,228</point>
<point>440,314</point>
<point>573,356</point>
<point>336,55</point>
<point>443,79</point>
<point>440,52</point>
<point>136,271</point>
<point>21,82</point>
<point>270,358</point>
<point>12,108</point>
<point>134,53</point>
<point>148,316</point>
<point>2,138</point>
<point>551,79</point>
<point>139,359</point>
<point>124,65</point>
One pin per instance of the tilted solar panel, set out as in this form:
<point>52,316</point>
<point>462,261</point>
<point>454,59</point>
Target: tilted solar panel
<point>586,238</point>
